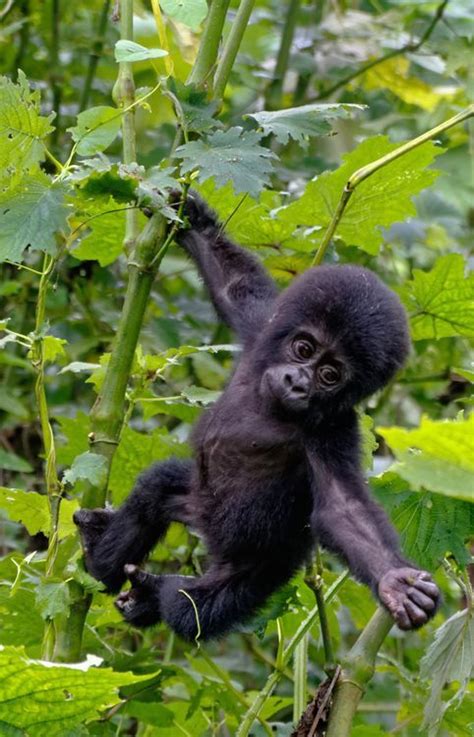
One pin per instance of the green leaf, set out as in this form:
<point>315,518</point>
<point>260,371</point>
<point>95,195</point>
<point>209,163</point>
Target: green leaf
<point>12,462</point>
<point>96,129</point>
<point>22,128</point>
<point>200,396</point>
<point>89,466</point>
<point>47,699</point>
<point>382,199</point>
<point>299,123</point>
<point>136,452</point>
<point>229,156</point>
<point>32,510</point>
<point>430,525</point>
<point>438,455</point>
<point>441,301</point>
<point>76,430</point>
<point>20,623</point>
<point>52,598</point>
<point>31,216</point>
<point>369,442</point>
<point>53,348</point>
<point>126,50</point>
<point>449,658</point>
<point>190,13</point>
<point>198,110</point>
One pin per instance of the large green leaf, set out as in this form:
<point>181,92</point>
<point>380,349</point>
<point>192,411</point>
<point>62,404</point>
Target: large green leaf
<point>46,699</point>
<point>449,658</point>
<point>229,156</point>
<point>96,129</point>
<point>189,12</point>
<point>382,199</point>
<point>299,123</point>
<point>441,301</point>
<point>430,525</point>
<point>437,455</point>
<point>32,510</point>
<point>30,217</point>
<point>22,128</point>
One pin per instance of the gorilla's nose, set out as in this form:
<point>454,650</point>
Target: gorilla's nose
<point>297,381</point>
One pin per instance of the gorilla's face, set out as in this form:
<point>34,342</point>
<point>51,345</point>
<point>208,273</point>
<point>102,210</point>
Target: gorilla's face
<point>308,370</point>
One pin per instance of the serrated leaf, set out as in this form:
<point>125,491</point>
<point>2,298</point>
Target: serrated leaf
<point>299,123</point>
<point>47,699</point>
<point>449,658</point>
<point>32,510</point>
<point>22,128</point>
<point>89,466</point>
<point>229,156</point>
<point>12,462</point>
<point>96,129</point>
<point>382,199</point>
<point>438,455</point>
<point>190,13</point>
<point>52,598</point>
<point>430,525</point>
<point>441,301</point>
<point>126,50</point>
<point>30,217</point>
<point>53,348</point>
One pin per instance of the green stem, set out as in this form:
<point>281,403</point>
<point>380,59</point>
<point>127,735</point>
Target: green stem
<point>108,411</point>
<point>231,47</point>
<point>315,582</point>
<point>275,89</point>
<point>366,171</point>
<point>357,669</point>
<point>94,56</point>
<point>56,82</point>
<point>301,677</point>
<point>209,44</point>
<point>124,97</point>
<point>273,679</point>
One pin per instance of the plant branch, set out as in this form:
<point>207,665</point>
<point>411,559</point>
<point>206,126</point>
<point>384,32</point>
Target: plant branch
<point>231,47</point>
<point>275,88</point>
<point>357,669</point>
<point>315,582</point>
<point>274,678</point>
<point>209,44</point>
<point>94,55</point>
<point>408,48</point>
<point>366,171</point>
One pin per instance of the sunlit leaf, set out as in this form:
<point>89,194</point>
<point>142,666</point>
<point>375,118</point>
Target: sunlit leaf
<point>89,466</point>
<point>189,12</point>
<point>96,129</point>
<point>441,301</point>
<point>32,510</point>
<point>126,50</point>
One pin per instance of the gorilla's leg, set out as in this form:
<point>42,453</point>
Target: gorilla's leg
<point>208,607</point>
<point>113,538</point>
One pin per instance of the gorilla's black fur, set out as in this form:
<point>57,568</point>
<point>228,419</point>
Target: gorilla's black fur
<point>277,457</point>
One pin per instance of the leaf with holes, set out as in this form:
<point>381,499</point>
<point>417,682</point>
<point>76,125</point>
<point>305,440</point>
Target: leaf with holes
<point>22,128</point>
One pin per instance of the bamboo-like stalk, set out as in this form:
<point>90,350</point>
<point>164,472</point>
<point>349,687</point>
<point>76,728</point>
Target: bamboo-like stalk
<point>124,97</point>
<point>209,44</point>
<point>357,669</point>
<point>231,47</point>
<point>366,171</point>
<point>300,669</point>
<point>275,89</point>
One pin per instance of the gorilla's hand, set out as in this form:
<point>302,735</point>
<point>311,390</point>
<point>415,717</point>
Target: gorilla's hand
<point>410,596</point>
<point>140,605</point>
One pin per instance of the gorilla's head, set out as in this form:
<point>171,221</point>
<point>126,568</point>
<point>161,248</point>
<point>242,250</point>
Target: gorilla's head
<point>336,335</point>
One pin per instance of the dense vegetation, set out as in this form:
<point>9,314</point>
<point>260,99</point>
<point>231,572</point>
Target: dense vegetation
<point>289,118</point>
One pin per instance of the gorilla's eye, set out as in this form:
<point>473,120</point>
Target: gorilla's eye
<point>303,348</point>
<point>329,375</point>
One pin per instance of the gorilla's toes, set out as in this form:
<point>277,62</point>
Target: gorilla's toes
<point>140,605</point>
<point>410,595</point>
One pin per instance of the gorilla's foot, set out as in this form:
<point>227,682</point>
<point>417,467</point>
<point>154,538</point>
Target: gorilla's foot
<point>410,596</point>
<point>140,605</point>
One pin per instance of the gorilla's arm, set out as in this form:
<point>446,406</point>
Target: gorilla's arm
<point>348,522</point>
<point>240,288</point>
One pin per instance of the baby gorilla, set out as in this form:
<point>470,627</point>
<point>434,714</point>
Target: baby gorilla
<point>276,464</point>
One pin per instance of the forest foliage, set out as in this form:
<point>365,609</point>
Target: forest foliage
<point>110,349</point>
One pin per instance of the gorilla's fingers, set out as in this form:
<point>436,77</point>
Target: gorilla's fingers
<point>135,575</point>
